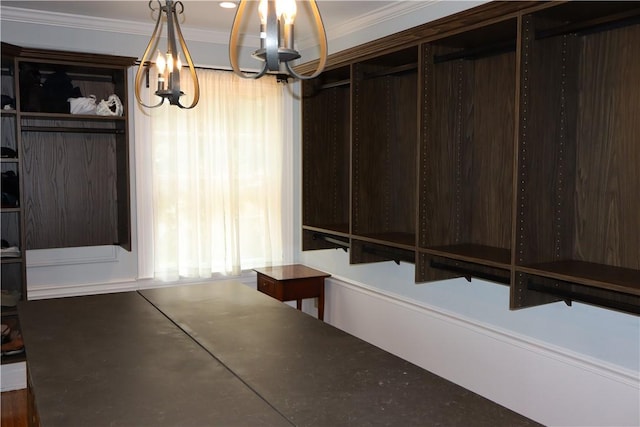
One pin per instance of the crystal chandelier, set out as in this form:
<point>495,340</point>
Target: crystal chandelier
<point>167,66</point>
<point>277,49</point>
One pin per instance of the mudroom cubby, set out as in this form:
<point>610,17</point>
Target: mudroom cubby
<point>384,149</point>
<point>327,162</point>
<point>466,153</point>
<point>578,234</point>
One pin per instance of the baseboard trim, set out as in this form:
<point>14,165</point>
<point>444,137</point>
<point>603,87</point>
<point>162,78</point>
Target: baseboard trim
<point>62,291</point>
<point>551,385</point>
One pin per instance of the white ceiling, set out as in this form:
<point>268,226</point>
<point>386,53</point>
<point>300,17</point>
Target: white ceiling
<point>209,16</point>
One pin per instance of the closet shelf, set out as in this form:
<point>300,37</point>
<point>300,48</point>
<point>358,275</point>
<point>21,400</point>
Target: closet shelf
<point>623,280</point>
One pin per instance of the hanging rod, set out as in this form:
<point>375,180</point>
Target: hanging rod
<point>392,70</point>
<point>595,25</point>
<point>343,245</point>
<point>70,129</point>
<point>477,52</point>
<point>468,273</point>
<point>576,295</point>
<point>395,255</point>
<point>345,82</point>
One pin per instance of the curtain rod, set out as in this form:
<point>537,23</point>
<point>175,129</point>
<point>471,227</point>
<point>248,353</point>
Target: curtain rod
<point>206,68</point>
<point>281,78</point>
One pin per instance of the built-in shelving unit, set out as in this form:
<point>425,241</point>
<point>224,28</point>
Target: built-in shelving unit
<point>499,143</point>
<point>76,173</point>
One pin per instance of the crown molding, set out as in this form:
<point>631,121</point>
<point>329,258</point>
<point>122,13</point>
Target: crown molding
<point>71,21</point>
<point>376,17</point>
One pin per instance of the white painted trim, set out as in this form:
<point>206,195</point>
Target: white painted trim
<point>549,384</point>
<point>70,256</point>
<point>62,291</point>
<point>376,17</point>
<point>66,20</point>
<point>13,376</point>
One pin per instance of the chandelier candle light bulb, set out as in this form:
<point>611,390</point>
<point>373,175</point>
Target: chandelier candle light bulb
<point>168,66</point>
<point>277,39</point>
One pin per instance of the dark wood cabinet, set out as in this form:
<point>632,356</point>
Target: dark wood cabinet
<point>502,143</point>
<point>75,166</point>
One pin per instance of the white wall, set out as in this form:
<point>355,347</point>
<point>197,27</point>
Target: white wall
<point>605,342</point>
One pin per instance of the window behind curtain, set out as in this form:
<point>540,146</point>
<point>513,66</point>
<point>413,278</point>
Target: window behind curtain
<point>214,176</point>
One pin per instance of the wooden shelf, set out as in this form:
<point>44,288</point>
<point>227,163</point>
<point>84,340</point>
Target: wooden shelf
<point>392,239</point>
<point>623,280</point>
<point>74,117</point>
<point>480,254</point>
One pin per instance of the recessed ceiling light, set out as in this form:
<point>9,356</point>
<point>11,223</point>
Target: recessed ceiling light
<point>227,4</point>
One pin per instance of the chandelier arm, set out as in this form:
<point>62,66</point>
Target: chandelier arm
<point>233,45</point>
<point>153,42</point>
<point>322,36</point>
<point>272,42</point>
<point>174,79</point>
<point>192,69</point>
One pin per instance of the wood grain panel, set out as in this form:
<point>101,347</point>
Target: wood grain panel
<point>607,227</point>
<point>547,148</point>
<point>70,194</point>
<point>326,154</point>
<point>468,150</point>
<point>490,152</point>
<point>385,146</point>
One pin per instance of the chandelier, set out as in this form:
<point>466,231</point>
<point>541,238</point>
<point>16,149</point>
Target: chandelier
<point>277,38</point>
<point>167,66</point>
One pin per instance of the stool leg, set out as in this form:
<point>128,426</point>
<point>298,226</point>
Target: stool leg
<point>321,304</point>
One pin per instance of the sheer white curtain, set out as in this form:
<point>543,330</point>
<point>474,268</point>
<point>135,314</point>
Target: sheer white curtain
<point>214,178</point>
